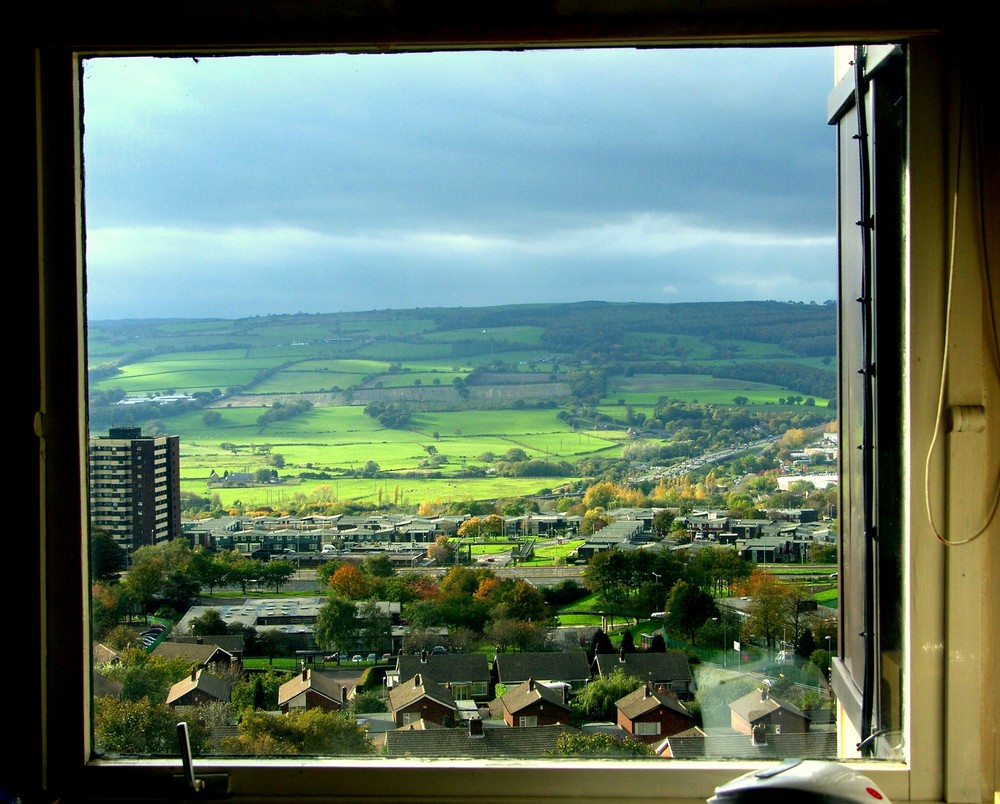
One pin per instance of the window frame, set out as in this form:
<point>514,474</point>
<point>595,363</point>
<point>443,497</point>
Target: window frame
<point>946,612</point>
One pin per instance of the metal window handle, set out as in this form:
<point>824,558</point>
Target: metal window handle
<point>196,785</point>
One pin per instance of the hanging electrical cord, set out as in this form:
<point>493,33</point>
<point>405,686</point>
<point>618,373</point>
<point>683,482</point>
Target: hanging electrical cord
<point>995,351</point>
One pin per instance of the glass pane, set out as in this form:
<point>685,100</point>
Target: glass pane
<point>438,395</point>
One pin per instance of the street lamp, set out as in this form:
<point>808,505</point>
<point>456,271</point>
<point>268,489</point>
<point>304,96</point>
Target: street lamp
<point>725,639</point>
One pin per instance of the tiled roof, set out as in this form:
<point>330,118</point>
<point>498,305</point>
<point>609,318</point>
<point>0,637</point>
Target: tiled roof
<point>212,686</point>
<point>731,745</point>
<point>513,668</point>
<point>233,643</point>
<point>315,680</point>
<point>413,690</point>
<point>528,693</point>
<point>191,651</point>
<point>753,706</point>
<point>102,654</point>
<point>669,666</point>
<point>492,743</point>
<point>644,700</point>
<point>105,687</point>
<point>445,667</point>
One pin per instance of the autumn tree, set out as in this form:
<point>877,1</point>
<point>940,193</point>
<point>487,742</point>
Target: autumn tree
<point>767,612</point>
<point>442,551</point>
<point>349,582</point>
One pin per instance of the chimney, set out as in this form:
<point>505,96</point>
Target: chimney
<point>343,694</point>
<point>645,690</point>
<point>423,657</point>
<point>476,727</point>
<point>566,694</point>
<point>305,675</point>
<point>531,683</point>
<point>621,655</point>
<point>194,673</point>
<point>417,680</point>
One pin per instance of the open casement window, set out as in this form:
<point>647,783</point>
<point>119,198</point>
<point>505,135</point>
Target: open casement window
<point>933,661</point>
<point>870,115</point>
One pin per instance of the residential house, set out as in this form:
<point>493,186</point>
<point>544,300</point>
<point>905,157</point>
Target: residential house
<point>200,687</point>
<point>546,667</point>
<point>102,654</point>
<point>231,643</point>
<point>649,714</point>
<point>208,656</point>
<point>534,704</point>
<point>467,674</point>
<point>759,714</point>
<point>312,689</point>
<point>669,670</point>
<point>419,699</point>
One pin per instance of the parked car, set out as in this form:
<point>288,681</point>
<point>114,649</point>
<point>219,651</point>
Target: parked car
<point>386,657</point>
<point>439,649</point>
<point>372,658</point>
<point>357,658</point>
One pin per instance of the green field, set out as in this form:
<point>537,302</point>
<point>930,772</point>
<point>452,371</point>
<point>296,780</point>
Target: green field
<point>340,362</point>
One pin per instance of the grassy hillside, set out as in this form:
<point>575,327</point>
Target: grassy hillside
<point>561,383</point>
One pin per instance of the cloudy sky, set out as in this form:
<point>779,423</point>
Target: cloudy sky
<point>230,187</point>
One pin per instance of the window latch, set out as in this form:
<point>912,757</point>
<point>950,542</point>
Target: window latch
<point>214,785</point>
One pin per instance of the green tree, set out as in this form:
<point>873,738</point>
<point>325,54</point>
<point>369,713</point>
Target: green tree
<point>210,623</point>
<point>143,675</point>
<point>688,607</point>
<point>258,690</point>
<point>579,744</point>
<point>141,727</point>
<point>311,731</point>
<point>276,573</point>
<point>374,626</point>
<point>107,557</point>
<point>597,700</point>
<point>336,626</point>
<point>378,566</point>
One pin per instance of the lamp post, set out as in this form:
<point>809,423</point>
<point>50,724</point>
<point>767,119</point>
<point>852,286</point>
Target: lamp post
<point>725,639</point>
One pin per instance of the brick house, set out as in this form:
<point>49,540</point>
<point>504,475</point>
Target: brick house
<point>650,715</point>
<point>416,699</point>
<point>200,687</point>
<point>468,674</point>
<point>567,667</point>
<point>312,689</point>
<point>534,704</point>
<point>758,714</point>
<point>669,670</point>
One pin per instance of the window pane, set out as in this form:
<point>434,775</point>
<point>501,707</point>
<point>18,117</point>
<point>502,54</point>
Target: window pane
<point>433,394</point>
